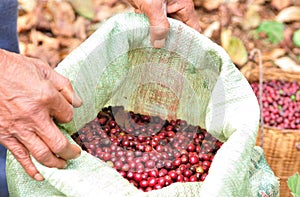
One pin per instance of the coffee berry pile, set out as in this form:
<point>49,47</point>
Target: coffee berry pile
<point>148,151</point>
<point>280,103</point>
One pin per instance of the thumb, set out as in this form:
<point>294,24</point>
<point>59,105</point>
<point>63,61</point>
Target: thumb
<point>155,10</point>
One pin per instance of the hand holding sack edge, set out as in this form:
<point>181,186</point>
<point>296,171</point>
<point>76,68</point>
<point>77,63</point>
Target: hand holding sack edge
<point>157,11</point>
<point>31,95</point>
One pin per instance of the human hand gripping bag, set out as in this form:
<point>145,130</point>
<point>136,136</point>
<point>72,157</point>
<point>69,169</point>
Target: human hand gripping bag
<point>196,82</point>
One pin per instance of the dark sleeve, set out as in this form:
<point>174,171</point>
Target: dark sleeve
<point>8,25</point>
<point>8,41</point>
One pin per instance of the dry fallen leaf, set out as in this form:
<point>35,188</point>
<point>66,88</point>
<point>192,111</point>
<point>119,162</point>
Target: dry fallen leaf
<point>80,28</point>
<point>247,68</point>
<point>296,51</point>
<point>280,4</point>
<point>259,2</point>
<point>225,38</point>
<point>51,56</point>
<point>288,34</point>
<point>237,51</point>
<point>234,47</point>
<point>27,5</point>
<point>235,9</point>
<point>211,4</point>
<point>226,15</point>
<point>215,26</point>
<point>44,17</point>
<point>63,16</point>
<point>112,3</point>
<point>38,38</point>
<point>102,13</point>
<point>289,14</point>
<point>274,54</point>
<point>197,3</point>
<point>68,44</point>
<point>99,2</point>
<point>26,22</point>
<point>287,64</point>
<point>251,18</point>
<point>22,47</point>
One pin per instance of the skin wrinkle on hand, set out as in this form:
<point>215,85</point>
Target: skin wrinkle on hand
<point>28,98</point>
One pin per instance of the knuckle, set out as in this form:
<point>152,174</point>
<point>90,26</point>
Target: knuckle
<point>60,146</point>
<point>69,115</point>
<point>46,93</point>
<point>19,153</point>
<point>67,82</point>
<point>24,159</point>
<point>37,61</point>
<point>66,116</point>
<point>64,82</point>
<point>43,156</point>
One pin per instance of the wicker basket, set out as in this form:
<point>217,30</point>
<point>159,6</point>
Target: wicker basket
<point>281,146</point>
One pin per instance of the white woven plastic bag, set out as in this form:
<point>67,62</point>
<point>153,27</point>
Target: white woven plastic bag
<point>197,82</point>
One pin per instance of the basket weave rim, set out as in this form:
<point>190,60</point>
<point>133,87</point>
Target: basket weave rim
<point>283,130</point>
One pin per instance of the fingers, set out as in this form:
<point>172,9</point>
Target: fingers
<point>26,127</point>
<point>184,11</point>
<point>132,3</point>
<point>53,103</point>
<point>55,140</point>
<point>137,11</point>
<point>40,150</point>
<point>158,36</point>
<point>22,156</point>
<point>155,10</point>
<point>159,25</point>
<point>192,21</point>
<point>58,106</point>
<point>62,84</point>
<point>46,144</point>
<point>42,138</point>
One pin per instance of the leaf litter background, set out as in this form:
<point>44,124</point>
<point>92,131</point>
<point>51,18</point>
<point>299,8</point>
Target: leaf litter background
<point>51,29</point>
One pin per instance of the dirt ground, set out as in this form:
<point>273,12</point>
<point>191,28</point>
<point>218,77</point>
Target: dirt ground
<point>50,30</point>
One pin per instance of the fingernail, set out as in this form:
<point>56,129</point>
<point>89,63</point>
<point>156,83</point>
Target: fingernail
<point>159,43</point>
<point>65,166</point>
<point>38,177</point>
<point>77,101</point>
<point>78,155</point>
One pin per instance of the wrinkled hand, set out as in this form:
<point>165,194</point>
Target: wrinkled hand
<point>31,94</point>
<point>182,10</point>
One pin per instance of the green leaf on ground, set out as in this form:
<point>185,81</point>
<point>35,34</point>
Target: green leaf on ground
<point>294,185</point>
<point>296,38</point>
<point>84,8</point>
<point>273,29</point>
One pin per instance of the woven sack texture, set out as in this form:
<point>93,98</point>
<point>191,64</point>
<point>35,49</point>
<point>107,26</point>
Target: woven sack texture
<point>191,78</point>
